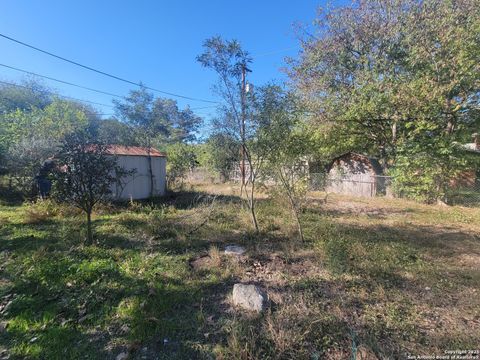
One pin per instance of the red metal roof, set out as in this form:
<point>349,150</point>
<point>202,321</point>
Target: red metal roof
<point>133,151</point>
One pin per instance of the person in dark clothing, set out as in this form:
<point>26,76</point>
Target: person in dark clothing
<point>43,182</point>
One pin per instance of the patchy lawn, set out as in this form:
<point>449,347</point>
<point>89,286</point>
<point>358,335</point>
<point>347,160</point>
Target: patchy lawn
<point>376,277</point>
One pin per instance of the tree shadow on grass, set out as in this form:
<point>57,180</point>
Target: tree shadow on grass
<point>180,200</point>
<point>336,308</point>
<point>390,325</point>
<point>85,301</point>
<point>28,236</point>
<point>436,240</point>
<point>10,197</point>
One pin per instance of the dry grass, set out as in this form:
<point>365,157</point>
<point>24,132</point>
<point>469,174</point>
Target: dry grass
<point>39,212</point>
<point>214,254</point>
<point>379,277</point>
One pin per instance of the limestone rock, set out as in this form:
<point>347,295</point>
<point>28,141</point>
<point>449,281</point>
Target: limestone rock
<point>122,356</point>
<point>234,250</point>
<point>249,297</point>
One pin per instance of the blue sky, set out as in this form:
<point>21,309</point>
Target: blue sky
<point>155,42</point>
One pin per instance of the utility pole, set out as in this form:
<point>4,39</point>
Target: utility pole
<point>242,165</point>
<point>244,116</point>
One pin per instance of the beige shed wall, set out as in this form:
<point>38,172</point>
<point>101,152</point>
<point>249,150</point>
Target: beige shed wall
<point>137,186</point>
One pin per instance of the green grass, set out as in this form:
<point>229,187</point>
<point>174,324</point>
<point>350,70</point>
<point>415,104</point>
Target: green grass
<point>389,275</point>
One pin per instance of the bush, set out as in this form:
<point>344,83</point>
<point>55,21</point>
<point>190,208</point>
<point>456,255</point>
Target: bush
<point>181,159</point>
<point>424,170</point>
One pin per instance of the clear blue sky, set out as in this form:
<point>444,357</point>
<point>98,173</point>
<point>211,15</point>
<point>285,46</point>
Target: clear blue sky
<point>155,42</point>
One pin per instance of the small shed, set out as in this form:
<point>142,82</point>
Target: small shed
<point>137,186</point>
<point>355,174</point>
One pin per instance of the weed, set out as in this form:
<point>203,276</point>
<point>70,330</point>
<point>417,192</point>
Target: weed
<point>215,256</point>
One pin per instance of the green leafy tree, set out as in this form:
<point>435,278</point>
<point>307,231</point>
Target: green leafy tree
<point>139,110</point>
<point>85,173</point>
<point>156,122</point>
<point>113,131</point>
<point>283,145</point>
<point>220,153</point>
<point>379,76</point>
<point>228,60</point>
<point>425,167</point>
<point>181,159</point>
<point>31,136</point>
<point>182,124</point>
<point>24,96</point>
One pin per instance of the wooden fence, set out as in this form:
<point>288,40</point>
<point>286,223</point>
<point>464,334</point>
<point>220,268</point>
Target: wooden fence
<point>359,185</point>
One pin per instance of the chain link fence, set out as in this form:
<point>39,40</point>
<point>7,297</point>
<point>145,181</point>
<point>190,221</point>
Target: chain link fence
<point>375,186</point>
<point>464,196</point>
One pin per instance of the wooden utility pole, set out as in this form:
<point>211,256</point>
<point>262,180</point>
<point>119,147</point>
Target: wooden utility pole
<point>244,117</point>
<point>242,165</point>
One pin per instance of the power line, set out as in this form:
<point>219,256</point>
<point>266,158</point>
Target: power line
<point>103,72</point>
<point>72,98</point>
<point>276,52</point>
<point>52,93</point>
<point>83,87</point>
<point>61,81</point>
<point>204,107</point>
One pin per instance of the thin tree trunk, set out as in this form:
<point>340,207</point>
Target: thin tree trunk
<point>252,209</point>
<point>251,203</point>
<point>293,206</point>
<point>299,226</point>
<point>297,218</point>
<point>89,228</point>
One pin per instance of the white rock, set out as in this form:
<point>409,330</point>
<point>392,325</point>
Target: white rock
<point>234,250</point>
<point>249,297</point>
<point>122,356</point>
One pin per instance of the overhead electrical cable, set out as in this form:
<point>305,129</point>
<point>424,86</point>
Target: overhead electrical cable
<point>72,98</point>
<point>103,72</point>
<point>61,81</point>
<point>204,107</point>
<point>84,87</point>
<point>55,94</point>
<point>276,52</point>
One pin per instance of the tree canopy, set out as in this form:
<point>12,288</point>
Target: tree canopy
<point>385,77</point>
